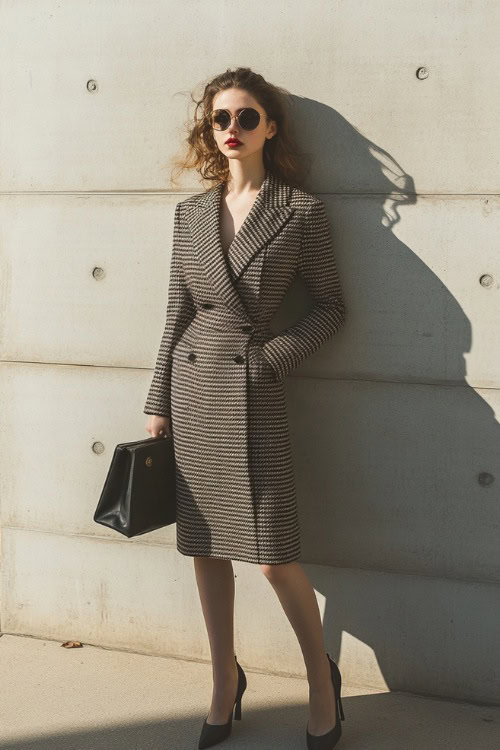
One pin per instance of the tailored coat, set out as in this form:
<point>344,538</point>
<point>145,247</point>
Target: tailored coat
<point>220,369</point>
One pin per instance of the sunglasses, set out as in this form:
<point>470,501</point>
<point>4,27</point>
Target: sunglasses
<point>247,118</point>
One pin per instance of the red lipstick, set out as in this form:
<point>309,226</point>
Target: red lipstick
<point>233,142</point>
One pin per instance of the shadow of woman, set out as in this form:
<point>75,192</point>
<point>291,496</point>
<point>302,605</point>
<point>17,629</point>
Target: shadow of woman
<point>394,450</point>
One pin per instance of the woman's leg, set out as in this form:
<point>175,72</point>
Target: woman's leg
<point>215,580</point>
<point>298,599</point>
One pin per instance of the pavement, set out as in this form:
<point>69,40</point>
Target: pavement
<point>92,698</point>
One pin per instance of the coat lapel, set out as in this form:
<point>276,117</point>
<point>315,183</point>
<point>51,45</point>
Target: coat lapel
<point>269,212</point>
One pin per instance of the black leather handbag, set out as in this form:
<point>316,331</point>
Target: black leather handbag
<point>139,492</point>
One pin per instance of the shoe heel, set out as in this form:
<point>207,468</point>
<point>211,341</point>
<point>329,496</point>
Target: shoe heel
<point>337,683</point>
<point>341,710</point>
<point>237,710</point>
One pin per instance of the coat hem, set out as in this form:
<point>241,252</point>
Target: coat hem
<point>242,558</point>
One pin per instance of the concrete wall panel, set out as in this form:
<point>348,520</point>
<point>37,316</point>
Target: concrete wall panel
<point>57,476</point>
<point>389,476</point>
<point>421,307</point>
<point>397,476</point>
<point>144,597</point>
<point>422,289</point>
<point>84,279</point>
<point>353,72</point>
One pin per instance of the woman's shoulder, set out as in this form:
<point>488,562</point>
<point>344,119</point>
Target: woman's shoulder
<point>192,199</point>
<point>302,199</point>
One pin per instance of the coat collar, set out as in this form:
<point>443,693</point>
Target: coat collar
<point>270,211</point>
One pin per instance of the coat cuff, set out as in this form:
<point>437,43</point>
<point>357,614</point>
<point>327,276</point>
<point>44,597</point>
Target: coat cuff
<point>157,412</point>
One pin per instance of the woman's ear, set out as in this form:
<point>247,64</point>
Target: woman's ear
<point>272,129</point>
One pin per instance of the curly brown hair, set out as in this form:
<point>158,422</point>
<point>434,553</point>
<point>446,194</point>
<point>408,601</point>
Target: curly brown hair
<point>281,154</point>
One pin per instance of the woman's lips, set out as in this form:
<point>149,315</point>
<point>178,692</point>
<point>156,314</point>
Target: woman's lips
<point>233,142</point>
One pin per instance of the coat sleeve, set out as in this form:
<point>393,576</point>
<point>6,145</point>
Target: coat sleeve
<point>180,311</point>
<point>318,270</point>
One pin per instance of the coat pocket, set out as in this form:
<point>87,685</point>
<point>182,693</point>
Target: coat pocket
<point>266,367</point>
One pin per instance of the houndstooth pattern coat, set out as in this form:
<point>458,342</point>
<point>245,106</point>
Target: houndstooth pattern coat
<point>220,370</point>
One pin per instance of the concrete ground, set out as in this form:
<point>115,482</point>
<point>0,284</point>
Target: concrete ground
<point>91,698</point>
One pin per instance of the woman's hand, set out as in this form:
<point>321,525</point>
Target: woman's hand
<point>159,426</point>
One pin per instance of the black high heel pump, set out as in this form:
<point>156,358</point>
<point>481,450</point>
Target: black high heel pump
<point>328,740</point>
<point>211,734</point>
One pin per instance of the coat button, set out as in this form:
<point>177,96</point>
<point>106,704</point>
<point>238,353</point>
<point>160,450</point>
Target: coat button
<point>207,305</point>
<point>192,356</point>
<point>239,359</point>
<point>247,329</point>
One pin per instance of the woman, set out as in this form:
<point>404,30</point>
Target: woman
<point>218,384</point>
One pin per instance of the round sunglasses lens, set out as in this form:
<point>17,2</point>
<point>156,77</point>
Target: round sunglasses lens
<point>220,119</point>
<point>249,118</point>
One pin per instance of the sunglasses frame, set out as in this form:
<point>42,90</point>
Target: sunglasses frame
<point>236,117</point>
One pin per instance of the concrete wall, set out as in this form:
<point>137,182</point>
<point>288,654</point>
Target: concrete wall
<point>393,422</point>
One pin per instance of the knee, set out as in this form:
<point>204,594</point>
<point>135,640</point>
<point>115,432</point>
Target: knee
<point>275,572</point>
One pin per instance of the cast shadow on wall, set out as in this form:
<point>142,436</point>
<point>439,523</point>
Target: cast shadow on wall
<point>395,453</point>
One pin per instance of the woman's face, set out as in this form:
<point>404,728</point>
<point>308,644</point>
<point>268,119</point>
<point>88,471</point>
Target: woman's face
<point>252,141</point>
